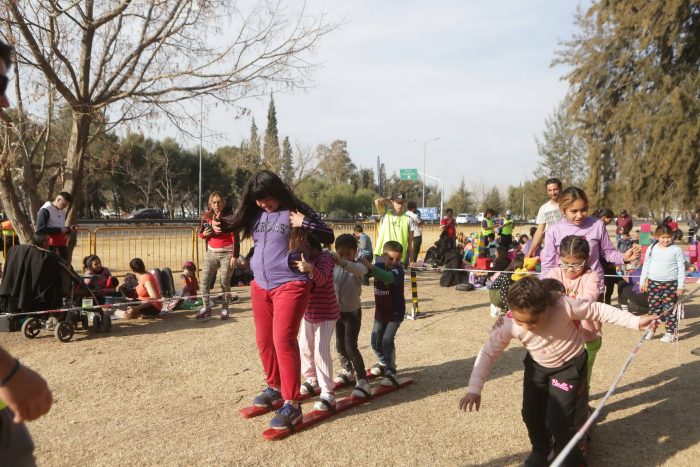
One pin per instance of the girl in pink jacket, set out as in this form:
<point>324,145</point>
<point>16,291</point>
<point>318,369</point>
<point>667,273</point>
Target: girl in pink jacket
<point>555,365</point>
<point>582,283</point>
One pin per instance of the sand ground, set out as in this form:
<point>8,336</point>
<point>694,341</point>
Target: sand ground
<point>167,392</point>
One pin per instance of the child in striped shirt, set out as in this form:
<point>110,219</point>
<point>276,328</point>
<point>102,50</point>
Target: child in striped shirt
<point>317,327</point>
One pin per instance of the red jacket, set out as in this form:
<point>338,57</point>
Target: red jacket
<point>217,240</point>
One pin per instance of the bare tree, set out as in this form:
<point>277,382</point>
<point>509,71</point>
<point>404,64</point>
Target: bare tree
<point>121,61</point>
<point>305,165</point>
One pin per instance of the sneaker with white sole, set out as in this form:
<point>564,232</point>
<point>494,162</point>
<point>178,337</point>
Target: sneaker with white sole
<point>204,312</point>
<point>362,390</point>
<point>310,386</point>
<point>286,416</point>
<point>326,402</point>
<point>669,338</point>
<point>266,398</point>
<point>378,369</point>
<point>224,314</point>
<point>344,377</point>
<point>389,380</point>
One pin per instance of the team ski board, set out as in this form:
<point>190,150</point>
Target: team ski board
<point>255,411</point>
<point>311,418</point>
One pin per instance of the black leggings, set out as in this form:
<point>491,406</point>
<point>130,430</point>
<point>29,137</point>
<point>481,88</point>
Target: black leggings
<point>549,400</point>
<point>347,329</point>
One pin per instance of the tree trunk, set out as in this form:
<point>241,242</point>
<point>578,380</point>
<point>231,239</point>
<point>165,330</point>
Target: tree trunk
<point>75,159</point>
<point>10,202</point>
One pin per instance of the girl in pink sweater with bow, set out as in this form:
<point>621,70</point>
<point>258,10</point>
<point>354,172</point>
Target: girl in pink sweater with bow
<point>555,365</point>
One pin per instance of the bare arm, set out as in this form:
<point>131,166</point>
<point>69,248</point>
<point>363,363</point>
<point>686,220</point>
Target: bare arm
<point>380,204</point>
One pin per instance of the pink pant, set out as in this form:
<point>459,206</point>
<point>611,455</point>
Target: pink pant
<point>315,348</point>
<point>278,314</point>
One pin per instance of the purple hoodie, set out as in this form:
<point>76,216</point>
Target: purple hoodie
<point>593,230</point>
<point>272,262</point>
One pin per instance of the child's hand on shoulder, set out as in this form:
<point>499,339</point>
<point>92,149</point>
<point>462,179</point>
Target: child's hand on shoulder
<point>366,263</point>
<point>646,320</point>
<point>296,218</point>
<point>304,266</point>
<point>470,402</point>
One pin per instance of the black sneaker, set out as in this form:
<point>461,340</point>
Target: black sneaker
<point>537,458</point>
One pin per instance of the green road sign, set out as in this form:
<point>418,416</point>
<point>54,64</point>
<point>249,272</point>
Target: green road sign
<point>408,174</point>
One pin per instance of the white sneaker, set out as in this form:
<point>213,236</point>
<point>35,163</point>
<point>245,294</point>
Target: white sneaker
<point>650,334</point>
<point>494,311</point>
<point>388,379</point>
<point>344,377</point>
<point>378,369</point>
<point>326,402</point>
<point>362,390</point>
<point>669,338</point>
<point>625,308</point>
<point>304,388</point>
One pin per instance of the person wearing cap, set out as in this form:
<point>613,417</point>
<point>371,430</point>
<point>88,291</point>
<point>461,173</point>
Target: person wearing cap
<point>395,225</point>
<point>24,394</point>
<point>505,231</point>
<point>624,225</point>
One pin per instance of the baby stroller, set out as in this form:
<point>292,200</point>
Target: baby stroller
<point>36,280</point>
<point>435,256</point>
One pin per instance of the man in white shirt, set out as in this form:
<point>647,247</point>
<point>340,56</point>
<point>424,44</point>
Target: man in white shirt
<point>415,226</point>
<point>548,214</point>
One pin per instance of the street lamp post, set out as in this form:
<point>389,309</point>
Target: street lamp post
<point>425,144</point>
<point>442,189</point>
<point>201,132</point>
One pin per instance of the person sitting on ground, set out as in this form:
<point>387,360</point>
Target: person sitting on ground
<point>243,275</point>
<point>147,291</point>
<point>99,278</point>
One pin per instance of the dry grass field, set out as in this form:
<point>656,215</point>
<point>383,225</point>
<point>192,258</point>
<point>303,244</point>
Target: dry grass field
<point>167,392</point>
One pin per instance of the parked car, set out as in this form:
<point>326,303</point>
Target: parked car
<point>146,213</point>
<point>464,218</point>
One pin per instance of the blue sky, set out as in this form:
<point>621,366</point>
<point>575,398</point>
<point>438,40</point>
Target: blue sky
<point>475,74</point>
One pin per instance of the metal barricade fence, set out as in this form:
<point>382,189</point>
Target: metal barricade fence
<point>84,246</point>
<point>158,246</point>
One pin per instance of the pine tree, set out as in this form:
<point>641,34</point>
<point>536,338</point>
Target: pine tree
<point>271,151</point>
<point>635,74</point>
<point>254,147</point>
<point>461,200</point>
<point>287,172</point>
<point>562,152</point>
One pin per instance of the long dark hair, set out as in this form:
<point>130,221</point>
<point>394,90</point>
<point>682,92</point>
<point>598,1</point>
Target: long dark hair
<point>261,185</point>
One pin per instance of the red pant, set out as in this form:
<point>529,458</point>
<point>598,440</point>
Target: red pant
<point>278,314</point>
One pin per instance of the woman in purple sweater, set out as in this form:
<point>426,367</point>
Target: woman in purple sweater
<point>573,203</point>
<point>278,222</point>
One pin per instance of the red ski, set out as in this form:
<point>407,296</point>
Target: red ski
<point>255,411</point>
<point>311,418</point>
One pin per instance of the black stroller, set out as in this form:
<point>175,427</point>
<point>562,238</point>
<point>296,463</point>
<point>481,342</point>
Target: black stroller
<point>435,256</point>
<point>37,280</point>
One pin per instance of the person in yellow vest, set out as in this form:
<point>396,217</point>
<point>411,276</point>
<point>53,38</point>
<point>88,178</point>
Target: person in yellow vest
<point>486,234</point>
<point>24,395</point>
<point>395,225</point>
<point>505,231</point>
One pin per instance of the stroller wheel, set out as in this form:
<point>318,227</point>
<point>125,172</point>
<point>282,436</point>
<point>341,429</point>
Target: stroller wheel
<point>31,328</point>
<point>64,331</point>
<point>97,323</point>
<point>84,321</point>
<point>106,322</point>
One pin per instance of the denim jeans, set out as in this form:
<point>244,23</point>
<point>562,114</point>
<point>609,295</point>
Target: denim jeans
<point>347,328</point>
<point>383,343</point>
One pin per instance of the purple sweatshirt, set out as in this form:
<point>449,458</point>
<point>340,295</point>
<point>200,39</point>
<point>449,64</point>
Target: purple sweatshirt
<point>593,230</point>
<point>272,262</point>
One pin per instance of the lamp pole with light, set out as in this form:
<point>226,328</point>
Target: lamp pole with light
<point>442,189</point>
<point>425,144</point>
